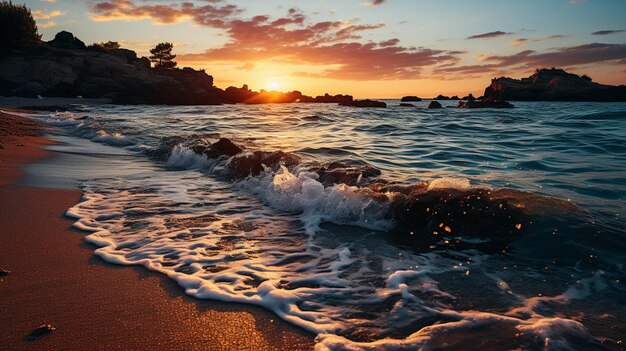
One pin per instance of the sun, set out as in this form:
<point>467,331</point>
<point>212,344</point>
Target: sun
<point>274,85</point>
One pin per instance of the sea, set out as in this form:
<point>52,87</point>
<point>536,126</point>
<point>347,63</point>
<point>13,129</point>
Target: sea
<point>398,228</point>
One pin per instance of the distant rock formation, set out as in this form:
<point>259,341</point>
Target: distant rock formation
<point>327,98</point>
<point>484,104</point>
<point>469,97</point>
<point>442,97</point>
<point>64,67</point>
<point>364,103</point>
<point>410,98</point>
<point>553,85</point>
<point>434,104</point>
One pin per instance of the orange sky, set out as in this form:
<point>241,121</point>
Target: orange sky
<point>381,49</point>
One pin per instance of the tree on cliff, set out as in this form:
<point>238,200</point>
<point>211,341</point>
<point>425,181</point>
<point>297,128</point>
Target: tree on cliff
<point>162,56</point>
<point>17,26</point>
<point>108,46</point>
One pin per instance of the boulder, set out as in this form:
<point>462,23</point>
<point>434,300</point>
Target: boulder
<point>434,104</point>
<point>410,98</point>
<point>442,97</point>
<point>223,147</point>
<point>66,40</point>
<point>363,103</point>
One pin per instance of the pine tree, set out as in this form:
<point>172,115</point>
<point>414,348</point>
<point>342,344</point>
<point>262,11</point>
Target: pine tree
<point>162,56</point>
<point>17,26</point>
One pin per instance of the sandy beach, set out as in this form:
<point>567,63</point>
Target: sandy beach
<point>55,279</point>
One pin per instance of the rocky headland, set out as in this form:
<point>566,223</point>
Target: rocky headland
<point>553,85</point>
<point>65,67</point>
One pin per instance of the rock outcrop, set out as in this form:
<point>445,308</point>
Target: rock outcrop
<point>410,98</point>
<point>64,67</point>
<point>363,103</point>
<point>553,85</point>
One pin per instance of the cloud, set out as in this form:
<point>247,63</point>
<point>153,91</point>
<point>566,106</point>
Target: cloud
<point>335,47</point>
<point>47,24</point>
<point>495,34</point>
<point>247,66</point>
<point>525,41</point>
<point>205,15</point>
<point>43,15</point>
<point>606,32</point>
<point>530,59</point>
<point>374,3</point>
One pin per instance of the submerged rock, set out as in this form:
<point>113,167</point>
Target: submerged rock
<point>349,173</point>
<point>434,104</point>
<point>40,332</point>
<point>223,147</point>
<point>406,105</point>
<point>410,98</point>
<point>484,104</point>
<point>363,103</point>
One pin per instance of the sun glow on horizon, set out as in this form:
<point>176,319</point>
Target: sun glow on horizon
<point>273,85</point>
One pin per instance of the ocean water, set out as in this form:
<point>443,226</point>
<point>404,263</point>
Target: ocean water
<point>377,229</point>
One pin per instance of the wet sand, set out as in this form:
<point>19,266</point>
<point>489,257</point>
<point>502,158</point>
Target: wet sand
<point>55,279</point>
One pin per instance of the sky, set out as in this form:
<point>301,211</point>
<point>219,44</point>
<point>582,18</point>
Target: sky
<point>366,48</point>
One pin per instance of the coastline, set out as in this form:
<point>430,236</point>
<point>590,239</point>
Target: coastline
<point>55,279</point>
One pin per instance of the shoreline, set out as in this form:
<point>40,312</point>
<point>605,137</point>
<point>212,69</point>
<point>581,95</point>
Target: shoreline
<point>55,279</point>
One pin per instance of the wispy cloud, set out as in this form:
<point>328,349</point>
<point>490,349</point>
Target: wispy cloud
<point>334,46</point>
<point>607,32</point>
<point>525,41</point>
<point>374,3</point>
<point>43,15</point>
<point>488,35</point>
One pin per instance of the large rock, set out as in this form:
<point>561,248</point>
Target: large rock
<point>411,98</point>
<point>553,85</point>
<point>434,104</point>
<point>363,103</point>
<point>64,68</point>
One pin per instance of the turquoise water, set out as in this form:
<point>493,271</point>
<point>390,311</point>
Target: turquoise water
<point>358,263</point>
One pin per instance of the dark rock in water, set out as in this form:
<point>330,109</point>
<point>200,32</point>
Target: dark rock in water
<point>223,147</point>
<point>442,97</point>
<point>404,104</point>
<point>484,104</point>
<point>431,215</point>
<point>40,332</point>
<point>434,104</point>
<point>454,97</point>
<point>469,97</point>
<point>363,103</point>
<point>410,98</point>
<point>350,173</point>
<point>4,272</point>
<point>553,85</point>
<point>252,164</point>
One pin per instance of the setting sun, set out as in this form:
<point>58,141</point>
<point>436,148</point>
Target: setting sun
<point>274,86</point>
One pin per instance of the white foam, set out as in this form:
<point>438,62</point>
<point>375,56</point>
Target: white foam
<point>303,193</point>
<point>449,183</point>
<point>114,139</point>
